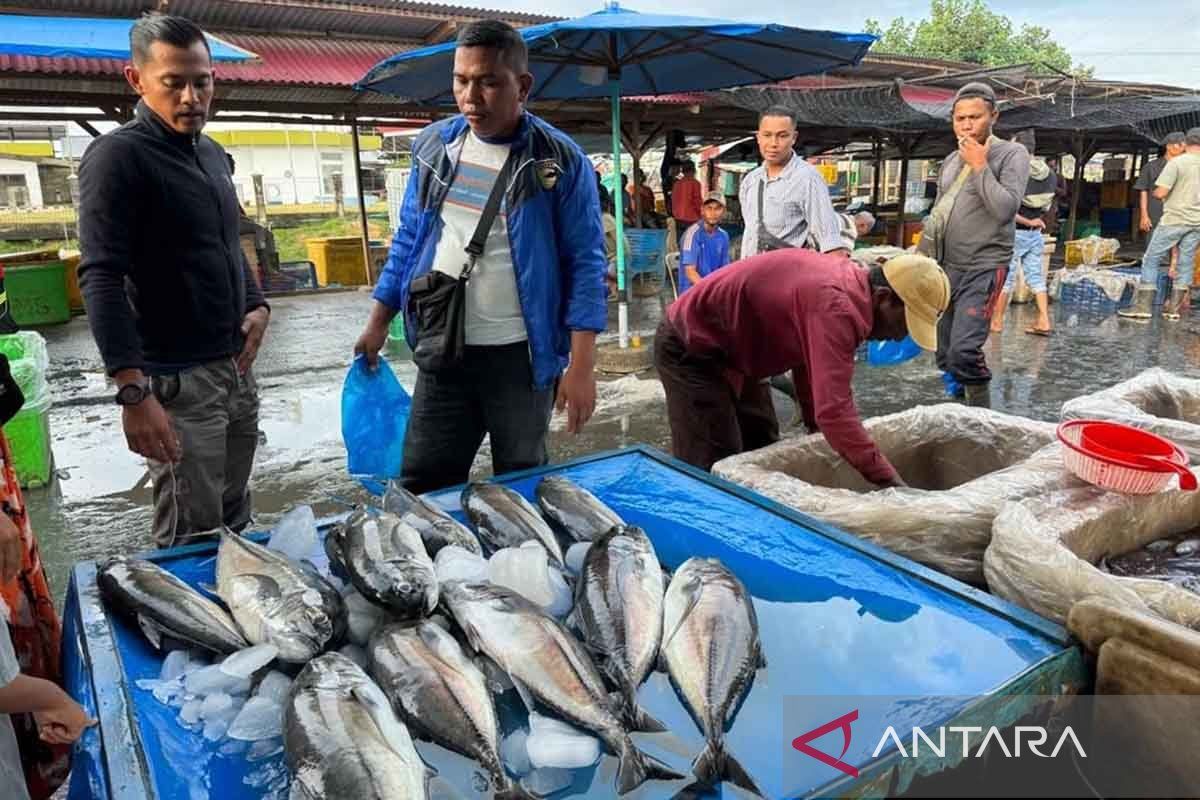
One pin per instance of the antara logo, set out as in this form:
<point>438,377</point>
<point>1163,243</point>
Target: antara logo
<point>1034,737</point>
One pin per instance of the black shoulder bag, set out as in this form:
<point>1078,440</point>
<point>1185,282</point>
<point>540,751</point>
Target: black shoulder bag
<point>767,241</point>
<point>438,302</point>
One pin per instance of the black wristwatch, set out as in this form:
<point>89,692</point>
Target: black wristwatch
<point>132,394</point>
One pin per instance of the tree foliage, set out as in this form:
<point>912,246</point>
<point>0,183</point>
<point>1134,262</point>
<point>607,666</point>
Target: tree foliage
<point>967,30</point>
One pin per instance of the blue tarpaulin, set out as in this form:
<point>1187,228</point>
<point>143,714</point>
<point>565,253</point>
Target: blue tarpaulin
<point>838,617</point>
<point>79,37</point>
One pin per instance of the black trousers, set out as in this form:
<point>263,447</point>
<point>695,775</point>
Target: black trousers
<point>963,329</point>
<point>492,394</point>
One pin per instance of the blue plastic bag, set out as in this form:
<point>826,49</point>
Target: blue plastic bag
<point>375,411</point>
<point>954,389</point>
<point>885,353</point>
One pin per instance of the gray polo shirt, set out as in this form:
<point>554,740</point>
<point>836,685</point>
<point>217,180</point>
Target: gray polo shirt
<point>796,205</point>
<point>982,225</point>
<point>12,779</point>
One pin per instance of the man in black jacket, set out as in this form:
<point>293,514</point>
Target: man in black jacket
<point>174,309</point>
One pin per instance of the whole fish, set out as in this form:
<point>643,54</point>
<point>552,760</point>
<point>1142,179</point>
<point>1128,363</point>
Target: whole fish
<point>712,650</point>
<point>619,609</point>
<point>277,601</point>
<point>546,662</point>
<point>386,561</point>
<point>439,692</point>
<point>577,511</point>
<point>437,528</point>
<point>167,608</point>
<point>342,741</point>
<point>504,518</point>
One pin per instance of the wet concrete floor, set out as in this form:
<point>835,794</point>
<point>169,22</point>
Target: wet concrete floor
<point>99,504</point>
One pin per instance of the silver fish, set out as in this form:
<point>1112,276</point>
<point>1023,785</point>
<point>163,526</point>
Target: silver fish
<point>342,741</point>
<point>504,518</point>
<point>167,608</point>
<point>437,528</point>
<point>580,514</point>
<point>276,601</point>
<point>619,609</point>
<point>712,650</point>
<point>439,692</point>
<point>386,561</point>
<point>550,665</point>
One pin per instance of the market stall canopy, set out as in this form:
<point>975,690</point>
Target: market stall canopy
<point>653,54</point>
<point>81,37</point>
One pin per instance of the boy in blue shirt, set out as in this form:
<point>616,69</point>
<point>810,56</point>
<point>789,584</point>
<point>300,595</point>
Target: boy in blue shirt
<point>704,248</point>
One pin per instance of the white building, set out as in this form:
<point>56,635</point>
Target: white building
<point>298,166</point>
<point>20,185</point>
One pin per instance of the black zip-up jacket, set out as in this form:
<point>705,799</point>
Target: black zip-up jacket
<point>162,271</point>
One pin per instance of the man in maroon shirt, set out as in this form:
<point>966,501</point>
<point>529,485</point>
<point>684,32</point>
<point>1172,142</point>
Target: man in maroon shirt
<point>790,309</point>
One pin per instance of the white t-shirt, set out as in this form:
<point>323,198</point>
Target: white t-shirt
<point>12,778</point>
<point>493,306</point>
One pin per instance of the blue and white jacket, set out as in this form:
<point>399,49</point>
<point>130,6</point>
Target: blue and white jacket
<point>554,229</point>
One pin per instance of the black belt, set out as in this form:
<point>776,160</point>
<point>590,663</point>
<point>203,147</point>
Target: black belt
<point>1021,227</point>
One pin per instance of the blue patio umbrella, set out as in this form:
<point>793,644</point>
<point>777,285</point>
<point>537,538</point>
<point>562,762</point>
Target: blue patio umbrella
<point>80,37</point>
<point>618,52</point>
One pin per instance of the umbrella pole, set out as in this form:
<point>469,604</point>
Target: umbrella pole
<point>619,208</point>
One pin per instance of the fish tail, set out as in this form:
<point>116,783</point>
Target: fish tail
<point>636,717</point>
<point>635,768</point>
<point>715,764</point>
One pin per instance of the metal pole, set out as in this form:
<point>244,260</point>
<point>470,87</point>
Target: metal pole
<point>878,176</point>
<point>362,200</point>
<point>619,208</point>
<point>903,189</point>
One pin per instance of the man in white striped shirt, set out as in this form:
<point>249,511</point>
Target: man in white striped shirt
<point>785,202</point>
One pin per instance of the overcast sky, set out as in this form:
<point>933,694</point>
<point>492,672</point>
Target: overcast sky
<point>1150,41</point>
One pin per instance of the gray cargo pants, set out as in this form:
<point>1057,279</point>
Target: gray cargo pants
<point>215,412</point>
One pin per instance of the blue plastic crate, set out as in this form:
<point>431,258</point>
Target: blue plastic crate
<point>1164,282</point>
<point>1088,296</point>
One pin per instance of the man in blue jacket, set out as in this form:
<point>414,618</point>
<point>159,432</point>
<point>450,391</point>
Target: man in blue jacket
<point>536,297</point>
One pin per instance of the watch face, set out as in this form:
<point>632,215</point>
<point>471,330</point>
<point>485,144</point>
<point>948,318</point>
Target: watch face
<point>131,394</point>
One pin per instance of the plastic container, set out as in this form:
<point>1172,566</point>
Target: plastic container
<point>1095,452</point>
<point>28,436</point>
<point>338,260</point>
<point>37,293</point>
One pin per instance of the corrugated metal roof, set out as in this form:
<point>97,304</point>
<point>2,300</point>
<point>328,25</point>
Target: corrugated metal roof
<point>286,60</point>
<point>390,18</point>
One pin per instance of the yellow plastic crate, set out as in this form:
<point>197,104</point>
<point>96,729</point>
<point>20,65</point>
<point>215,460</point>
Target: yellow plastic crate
<point>1076,249</point>
<point>338,260</point>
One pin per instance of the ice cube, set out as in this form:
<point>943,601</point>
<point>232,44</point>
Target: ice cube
<point>527,571</point>
<point>260,718</point>
<point>514,753</point>
<point>363,618</point>
<point>233,747</point>
<point>295,534</point>
<point>214,704</point>
<point>264,748</point>
<point>245,663</point>
<point>173,665</point>
<point>167,691</point>
<point>148,684</point>
<point>454,563</point>
<point>547,781</point>
<point>1187,547</point>
<point>212,680</point>
<point>181,698</point>
<point>274,686</point>
<point>215,729</point>
<point>190,713</point>
<point>576,554</point>
<point>355,654</point>
<point>553,743</point>
<point>562,599</point>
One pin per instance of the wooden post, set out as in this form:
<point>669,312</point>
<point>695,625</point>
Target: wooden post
<point>339,199</point>
<point>260,200</point>
<point>362,199</point>
<point>903,188</point>
<point>1076,185</point>
<point>877,174</point>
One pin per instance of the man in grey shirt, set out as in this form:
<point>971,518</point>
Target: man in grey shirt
<point>785,202</point>
<point>970,232</point>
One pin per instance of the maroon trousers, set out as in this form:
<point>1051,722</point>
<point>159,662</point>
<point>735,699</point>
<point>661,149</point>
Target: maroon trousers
<point>708,420</point>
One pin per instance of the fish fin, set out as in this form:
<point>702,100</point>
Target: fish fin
<point>715,765</point>
<point>693,590</point>
<point>243,588</point>
<point>636,767</point>
<point>640,720</point>
<point>762,658</point>
<point>151,630</point>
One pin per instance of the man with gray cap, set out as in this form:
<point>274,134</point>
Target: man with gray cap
<point>970,233</point>
<point>1179,188</point>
